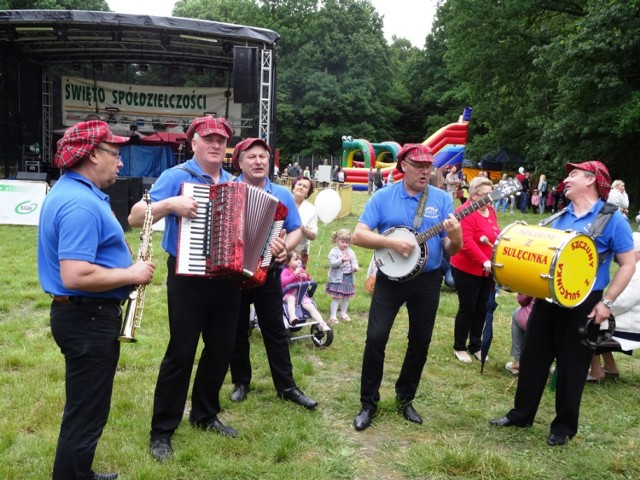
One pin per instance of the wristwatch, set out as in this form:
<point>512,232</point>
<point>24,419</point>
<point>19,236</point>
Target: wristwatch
<point>607,303</point>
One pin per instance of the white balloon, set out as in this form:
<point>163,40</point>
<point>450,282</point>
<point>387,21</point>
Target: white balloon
<point>328,205</point>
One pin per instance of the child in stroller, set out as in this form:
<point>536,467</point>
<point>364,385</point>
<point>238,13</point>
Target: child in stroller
<point>297,290</point>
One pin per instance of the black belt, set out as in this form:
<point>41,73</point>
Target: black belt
<point>75,299</point>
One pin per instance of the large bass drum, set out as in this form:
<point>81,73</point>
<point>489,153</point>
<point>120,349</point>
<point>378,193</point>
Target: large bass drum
<point>556,265</point>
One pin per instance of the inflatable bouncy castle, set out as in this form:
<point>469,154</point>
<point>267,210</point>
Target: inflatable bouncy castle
<point>447,144</point>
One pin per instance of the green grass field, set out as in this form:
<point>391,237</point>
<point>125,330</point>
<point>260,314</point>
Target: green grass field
<point>283,441</point>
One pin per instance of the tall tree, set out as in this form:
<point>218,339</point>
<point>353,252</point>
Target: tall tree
<point>243,12</point>
<point>334,71</point>
<point>596,110</point>
<point>552,81</point>
<point>490,63</point>
<point>339,79</point>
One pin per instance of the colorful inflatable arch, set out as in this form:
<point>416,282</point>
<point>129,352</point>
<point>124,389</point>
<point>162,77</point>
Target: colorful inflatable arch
<point>447,144</point>
<point>350,147</point>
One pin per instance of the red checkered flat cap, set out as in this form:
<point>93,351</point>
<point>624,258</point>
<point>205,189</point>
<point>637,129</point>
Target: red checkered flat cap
<point>603,179</point>
<point>416,152</point>
<point>81,139</point>
<point>246,144</point>
<point>207,125</point>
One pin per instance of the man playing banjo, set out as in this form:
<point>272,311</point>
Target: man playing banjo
<point>410,202</point>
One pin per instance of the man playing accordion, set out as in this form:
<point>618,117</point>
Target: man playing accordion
<point>198,306</point>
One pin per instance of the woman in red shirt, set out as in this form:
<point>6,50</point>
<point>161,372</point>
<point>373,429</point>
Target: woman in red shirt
<point>471,269</point>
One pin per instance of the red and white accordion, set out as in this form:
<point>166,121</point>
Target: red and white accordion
<point>231,234</point>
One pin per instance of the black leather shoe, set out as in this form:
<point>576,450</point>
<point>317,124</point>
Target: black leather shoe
<point>103,476</point>
<point>217,426</point>
<point>410,414</point>
<point>295,395</point>
<point>240,392</point>
<point>363,419</point>
<point>554,440</point>
<point>502,422</point>
<point>161,449</point>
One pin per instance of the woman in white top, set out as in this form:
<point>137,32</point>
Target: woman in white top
<point>302,188</point>
<point>618,196</point>
<point>626,311</point>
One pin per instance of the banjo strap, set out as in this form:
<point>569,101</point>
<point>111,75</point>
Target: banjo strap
<point>417,220</point>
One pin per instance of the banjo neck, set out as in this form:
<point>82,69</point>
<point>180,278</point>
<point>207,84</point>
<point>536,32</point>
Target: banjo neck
<point>468,210</point>
<point>399,268</point>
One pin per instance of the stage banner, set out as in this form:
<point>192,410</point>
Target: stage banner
<point>150,108</point>
<point>21,201</point>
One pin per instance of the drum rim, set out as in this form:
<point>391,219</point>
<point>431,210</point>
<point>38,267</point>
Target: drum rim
<point>572,235</point>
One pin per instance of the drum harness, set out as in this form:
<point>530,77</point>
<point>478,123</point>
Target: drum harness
<point>204,179</point>
<point>207,180</point>
<point>586,331</point>
<point>596,228</point>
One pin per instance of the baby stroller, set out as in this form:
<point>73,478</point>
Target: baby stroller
<point>319,338</point>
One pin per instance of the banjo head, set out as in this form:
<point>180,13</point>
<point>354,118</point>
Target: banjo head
<point>394,265</point>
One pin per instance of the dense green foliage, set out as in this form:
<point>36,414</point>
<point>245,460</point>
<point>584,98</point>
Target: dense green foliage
<point>549,82</point>
<point>334,72</point>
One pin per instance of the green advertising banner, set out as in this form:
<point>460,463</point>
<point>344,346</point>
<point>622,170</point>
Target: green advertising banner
<point>20,201</point>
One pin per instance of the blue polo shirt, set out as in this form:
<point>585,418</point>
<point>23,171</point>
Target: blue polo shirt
<point>292,221</point>
<point>169,184</point>
<point>616,237</point>
<point>76,223</point>
<point>394,207</point>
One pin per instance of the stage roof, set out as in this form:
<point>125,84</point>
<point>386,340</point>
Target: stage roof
<point>68,36</point>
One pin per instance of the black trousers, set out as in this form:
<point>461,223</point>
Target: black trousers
<point>87,337</point>
<point>197,307</point>
<point>473,294</point>
<point>422,296</point>
<point>552,333</point>
<point>267,300</point>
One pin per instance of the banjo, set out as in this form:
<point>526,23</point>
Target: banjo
<point>399,268</point>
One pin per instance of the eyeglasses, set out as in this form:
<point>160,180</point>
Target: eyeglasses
<point>115,153</point>
<point>419,166</point>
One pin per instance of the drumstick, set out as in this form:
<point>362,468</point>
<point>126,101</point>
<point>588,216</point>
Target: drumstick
<point>484,239</point>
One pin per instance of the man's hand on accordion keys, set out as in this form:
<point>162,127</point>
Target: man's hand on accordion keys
<point>279,248</point>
